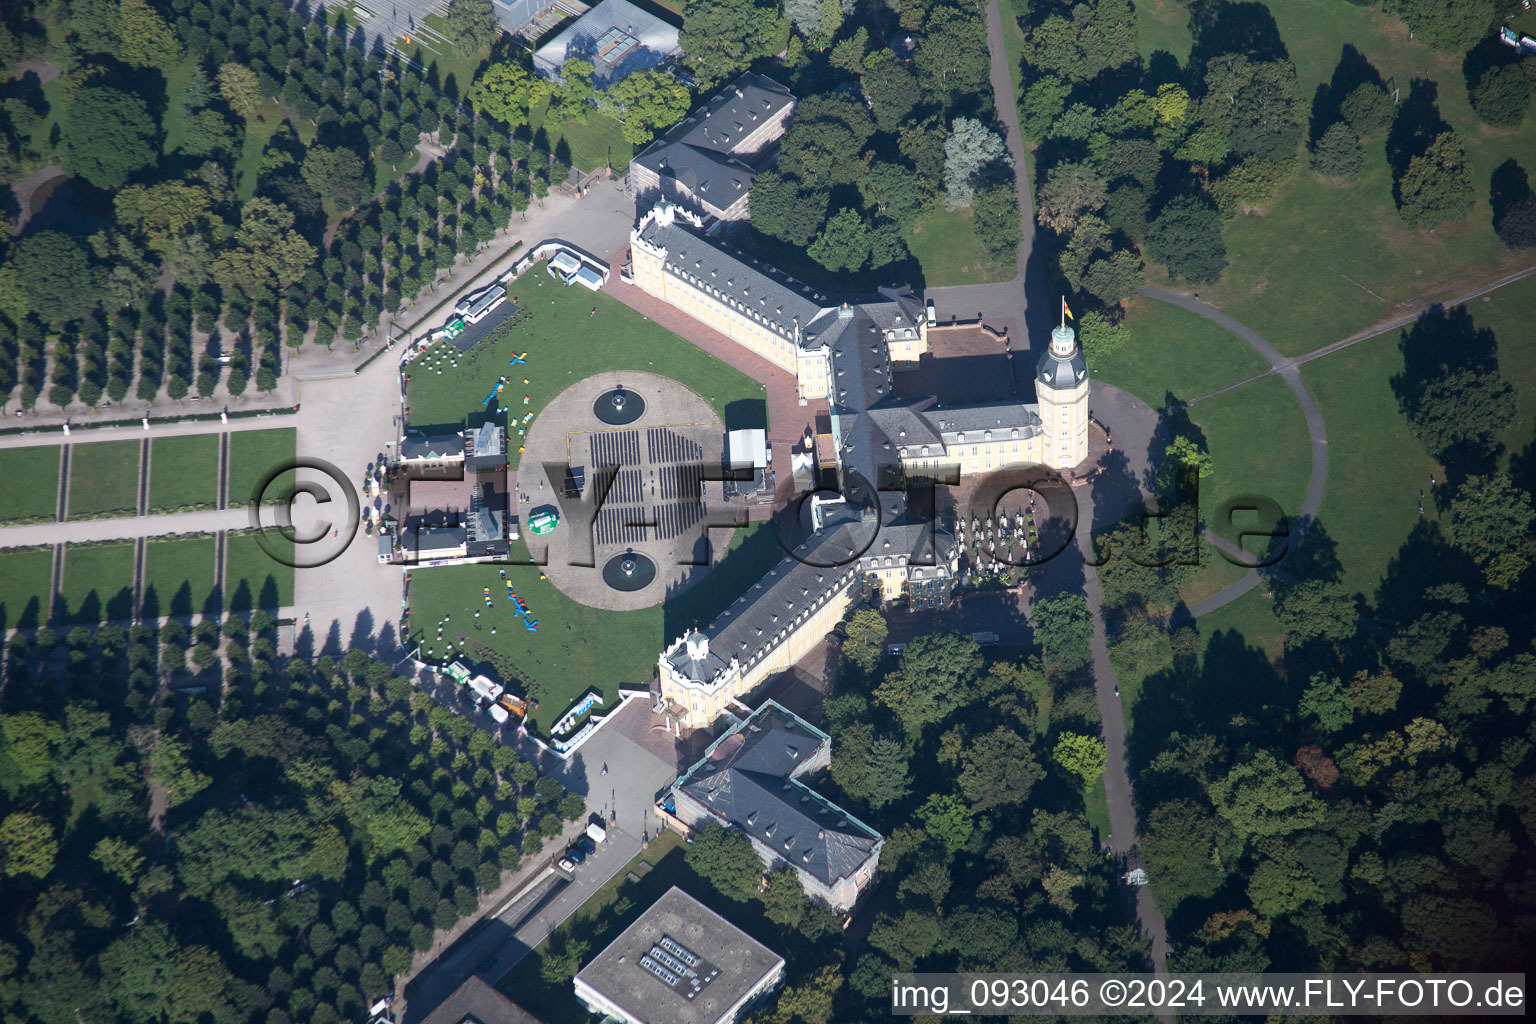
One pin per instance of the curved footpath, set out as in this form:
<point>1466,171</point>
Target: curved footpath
<point>1316,433</point>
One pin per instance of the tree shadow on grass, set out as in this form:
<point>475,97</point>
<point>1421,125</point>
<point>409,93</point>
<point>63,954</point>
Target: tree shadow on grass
<point>1352,71</point>
<point>1416,125</point>
<point>1509,185</point>
<point>1222,27</point>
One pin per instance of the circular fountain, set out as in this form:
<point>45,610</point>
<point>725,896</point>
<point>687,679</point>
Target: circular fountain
<point>629,571</point>
<point>618,407</point>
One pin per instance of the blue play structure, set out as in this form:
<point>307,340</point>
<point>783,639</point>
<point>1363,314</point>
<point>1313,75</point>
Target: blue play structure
<point>529,623</point>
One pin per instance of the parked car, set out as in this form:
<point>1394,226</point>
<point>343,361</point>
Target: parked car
<point>577,854</point>
<point>586,845</point>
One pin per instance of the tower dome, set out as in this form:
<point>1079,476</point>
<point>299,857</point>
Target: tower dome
<point>1062,366</point>
<point>698,646</point>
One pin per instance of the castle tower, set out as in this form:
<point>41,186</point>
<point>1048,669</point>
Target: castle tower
<point>1061,387</point>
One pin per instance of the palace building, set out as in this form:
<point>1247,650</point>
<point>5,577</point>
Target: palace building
<point>845,352</point>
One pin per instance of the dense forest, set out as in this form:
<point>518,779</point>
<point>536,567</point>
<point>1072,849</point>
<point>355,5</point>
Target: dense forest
<point>244,172</point>
<point>1139,161</point>
<point>974,769</point>
<point>275,848</point>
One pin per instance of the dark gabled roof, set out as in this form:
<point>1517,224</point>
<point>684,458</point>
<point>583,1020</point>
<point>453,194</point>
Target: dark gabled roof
<point>776,299</point>
<point>906,421</point>
<point>758,620</point>
<point>431,446</point>
<point>748,780</point>
<point>719,178</point>
<point>478,1002</point>
<point>733,113</point>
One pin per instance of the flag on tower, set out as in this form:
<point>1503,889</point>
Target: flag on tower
<point>1065,310</point>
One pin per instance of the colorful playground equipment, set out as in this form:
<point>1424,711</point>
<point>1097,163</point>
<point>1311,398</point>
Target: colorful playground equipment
<point>491,397</point>
<point>521,359</point>
<point>529,622</point>
<point>487,596</point>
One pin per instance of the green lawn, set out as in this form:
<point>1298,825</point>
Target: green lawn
<point>1252,615</point>
<point>1163,25</point>
<point>1327,260</point>
<point>944,243</point>
<point>104,479</point>
<point>1508,313</point>
<point>252,578</point>
<point>457,62</point>
<point>25,574</point>
<point>98,583</point>
<point>1258,443</point>
<point>252,455</point>
<point>1173,351</point>
<point>184,472</point>
<point>258,130</point>
<point>38,469</point>
<point>1096,804</point>
<point>587,146</point>
<point>1376,468</point>
<point>575,647</point>
<point>178,576</point>
<point>566,344</point>
<point>175,84</point>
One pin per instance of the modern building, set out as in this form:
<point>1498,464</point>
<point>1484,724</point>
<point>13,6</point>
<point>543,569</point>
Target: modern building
<point>753,778</point>
<point>707,162</point>
<point>617,37</point>
<point>679,963</point>
<point>485,448</point>
<point>474,307</point>
<point>847,353</point>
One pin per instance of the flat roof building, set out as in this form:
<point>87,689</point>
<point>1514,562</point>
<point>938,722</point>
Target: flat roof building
<point>679,963</point>
<point>431,448</point>
<point>617,37</point>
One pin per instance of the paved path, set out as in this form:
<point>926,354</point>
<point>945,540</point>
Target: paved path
<point>1002,305</point>
<point>1317,434</point>
<point>79,531</point>
<point>1365,335</point>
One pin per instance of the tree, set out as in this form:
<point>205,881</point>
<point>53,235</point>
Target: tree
<point>1188,850</point>
<point>1064,632</point>
<point>1451,27</point>
<point>27,845</point>
<point>951,59</point>
<point>1367,108</point>
<point>1254,104</point>
<point>120,859</point>
<point>784,899</point>
<point>1465,409</point>
<point>938,674</point>
<point>1069,190</point>
<point>974,156</point>
<point>1327,702</point>
<point>783,208</point>
<point>207,133</point>
<point>1100,335</point>
<point>1042,105</point>
<point>507,92</point>
<point>170,766</point>
<point>240,88</point>
<point>574,94</point>
<point>472,25</point>
<point>1315,610</point>
<point>268,253</point>
<point>1517,224</point>
<point>890,88</point>
<point>1489,516</point>
<point>647,102</point>
<point>1502,95</point>
<point>997,220</point>
<point>811,1001</point>
<point>1262,797</point>
<point>843,243</point>
<point>1337,152</point>
<point>865,646</point>
<point>336,175</point>
<point>108,135</point>
<point>1083,756</point>
<point>946,818</point>
<point>1437,185</point>
<point>998,768</point>
<point>54,276</point>
<point>721,37</point>
<point>1317,766</point>
<point>825,142</point>
<point>724,858</point>
<point>147,41</point>
<point>1186,237</point>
